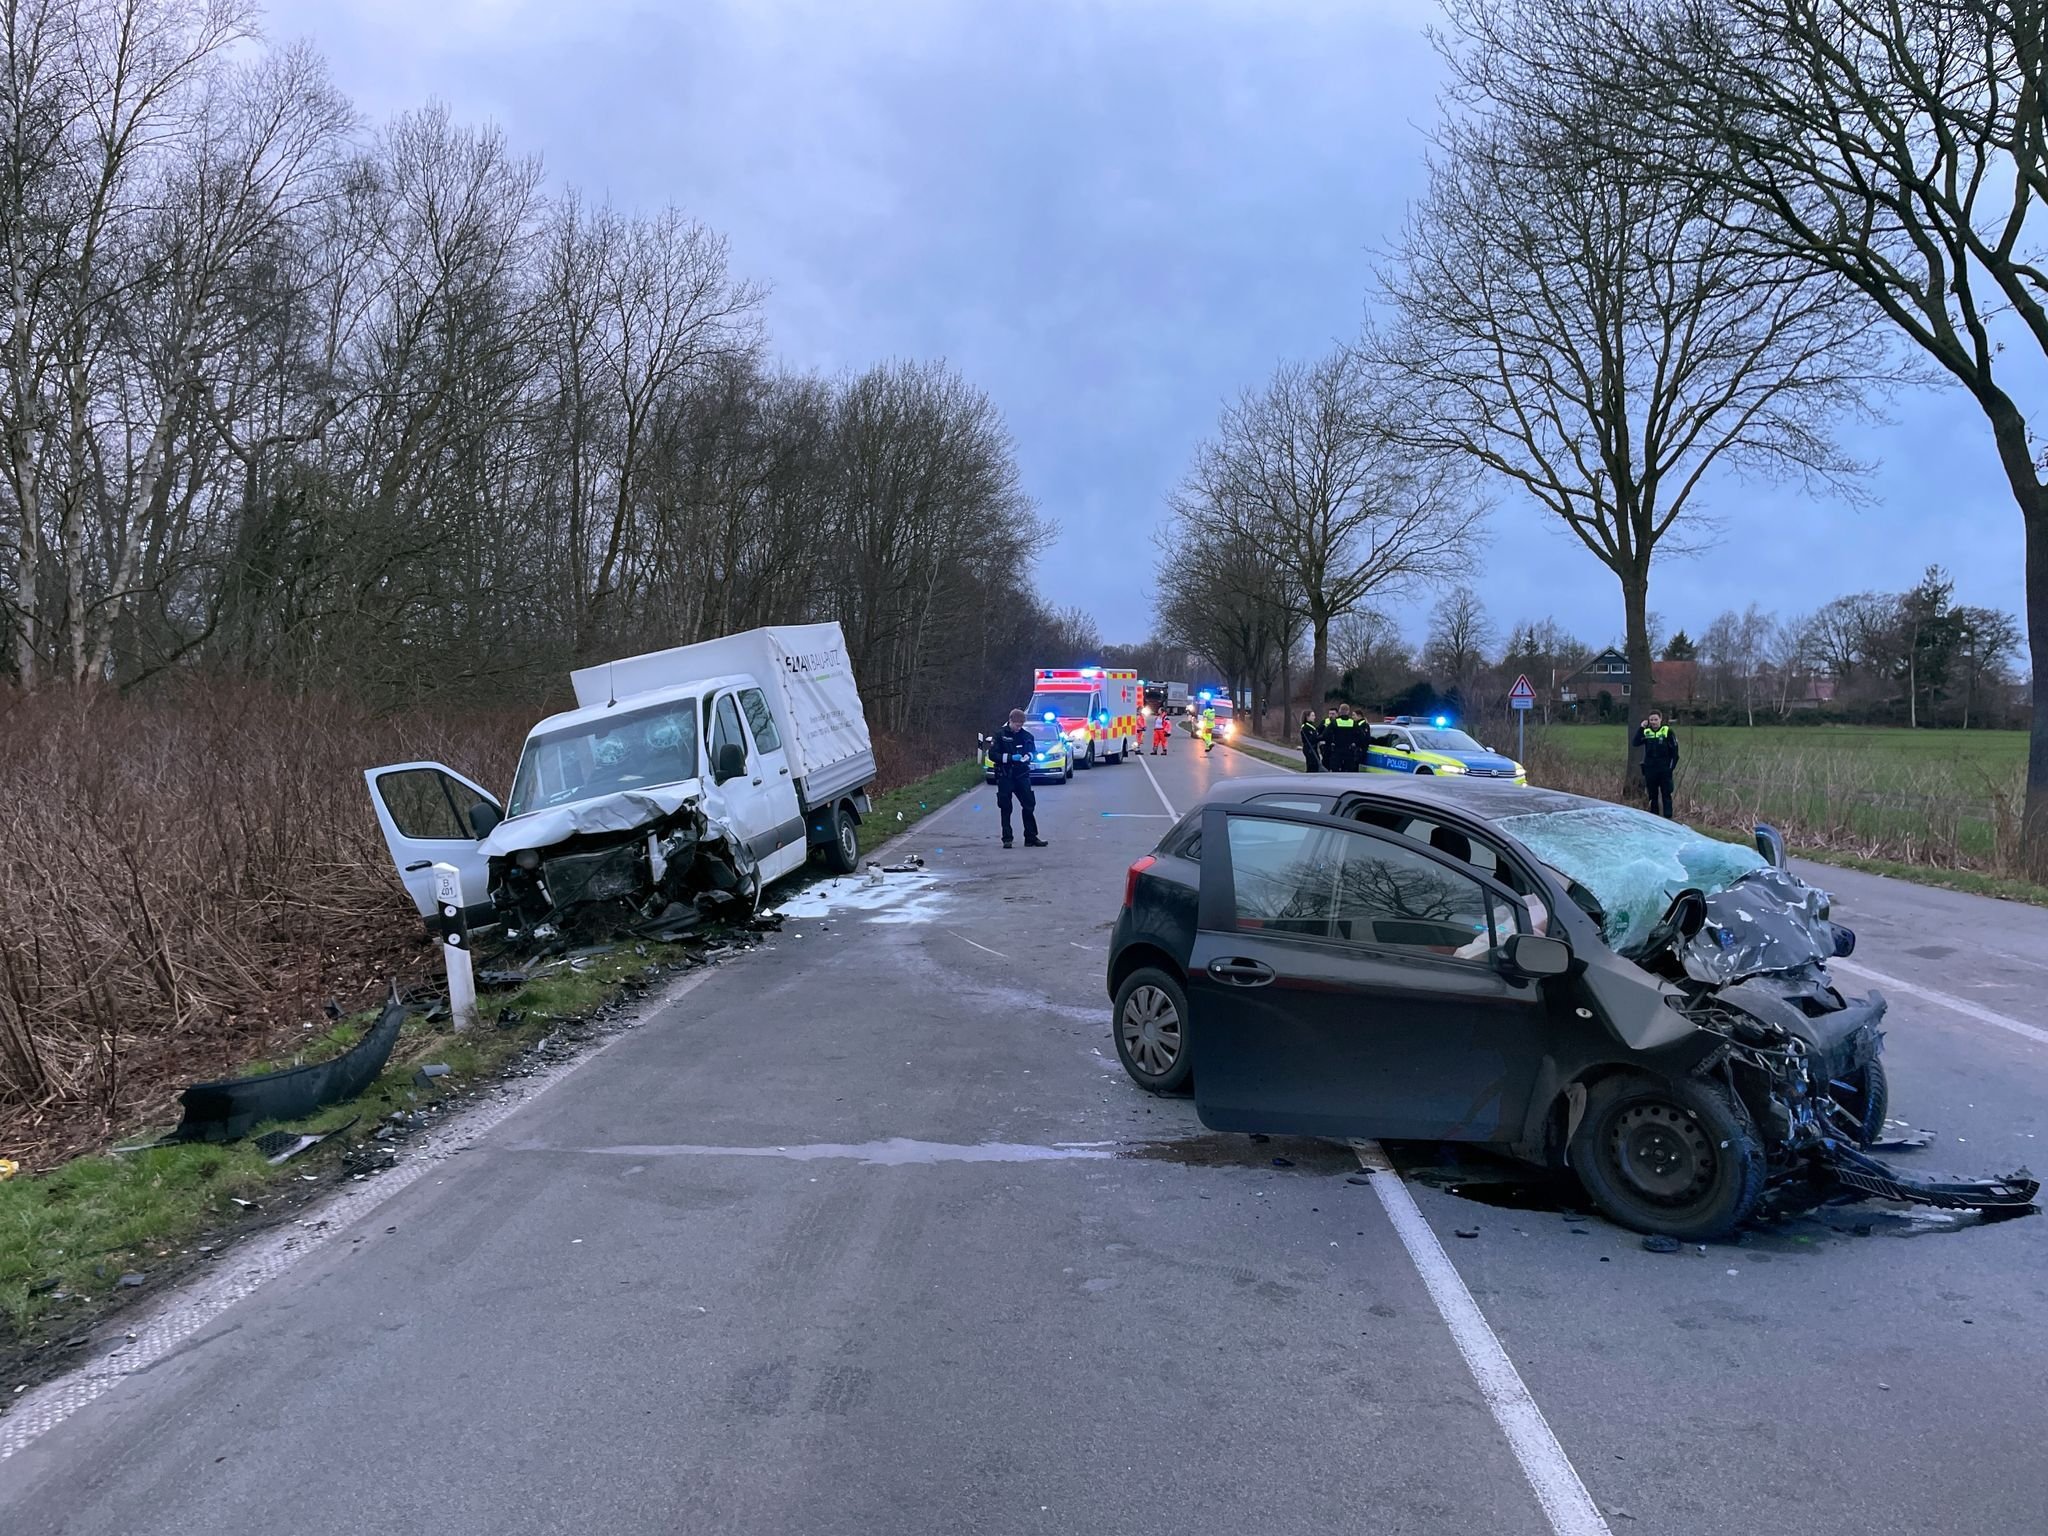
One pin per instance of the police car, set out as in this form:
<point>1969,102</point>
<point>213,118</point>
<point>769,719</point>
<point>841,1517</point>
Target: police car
<point>1052,763</point>
<point>1413,744</point>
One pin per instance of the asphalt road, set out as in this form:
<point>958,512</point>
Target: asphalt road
<point>869,1233</point>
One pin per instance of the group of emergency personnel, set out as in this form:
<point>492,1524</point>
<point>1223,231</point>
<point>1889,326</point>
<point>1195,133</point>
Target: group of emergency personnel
<point>1337,743</point>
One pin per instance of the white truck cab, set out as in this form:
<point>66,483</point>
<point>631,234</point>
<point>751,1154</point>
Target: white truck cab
<point>760,736</point>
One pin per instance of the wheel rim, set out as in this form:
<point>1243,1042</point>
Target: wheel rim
<point>1662,1154</point>
<point>1150,1027</point>
<point>849,841</point>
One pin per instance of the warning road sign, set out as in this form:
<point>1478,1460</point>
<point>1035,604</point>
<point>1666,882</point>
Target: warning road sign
<point>1522,696</point>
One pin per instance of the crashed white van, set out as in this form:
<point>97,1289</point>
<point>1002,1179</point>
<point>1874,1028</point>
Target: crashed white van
<point>684,779</point>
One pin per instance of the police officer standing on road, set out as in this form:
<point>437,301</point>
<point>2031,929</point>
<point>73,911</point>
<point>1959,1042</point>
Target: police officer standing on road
<point>1660,760</point>
<point>1311,743</point>
<point>1344,754</point>
<point>1011,753</point>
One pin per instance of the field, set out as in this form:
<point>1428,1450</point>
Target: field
<point>1943,798</point>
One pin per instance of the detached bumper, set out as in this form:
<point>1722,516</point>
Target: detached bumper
<point>1865,1175</point>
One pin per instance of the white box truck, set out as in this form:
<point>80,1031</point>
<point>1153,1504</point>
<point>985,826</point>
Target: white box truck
<point>718,767</point>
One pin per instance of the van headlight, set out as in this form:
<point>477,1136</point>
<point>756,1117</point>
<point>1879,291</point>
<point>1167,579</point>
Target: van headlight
<point>527,859</point>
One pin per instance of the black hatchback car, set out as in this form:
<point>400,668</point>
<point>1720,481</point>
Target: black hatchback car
<point>1575,982</point>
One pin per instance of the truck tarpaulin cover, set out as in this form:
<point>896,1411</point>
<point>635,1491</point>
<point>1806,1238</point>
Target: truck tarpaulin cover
<point>805,666</point>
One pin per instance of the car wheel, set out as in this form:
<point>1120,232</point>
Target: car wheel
<point>1151,1030</point>
<point>1866,1097</point>
<point>842,853</point>
<point>1069,778</point>
<point>1674,1157</point>
<point>1089,760</point>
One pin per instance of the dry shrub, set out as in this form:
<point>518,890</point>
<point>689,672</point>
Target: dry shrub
<point>186,876</point>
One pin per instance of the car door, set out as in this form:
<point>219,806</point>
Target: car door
<point>1389,751</point>
<point>425,810</point>
<point>769,760</point>
<point>759,802</point>
<point>1327,993</point>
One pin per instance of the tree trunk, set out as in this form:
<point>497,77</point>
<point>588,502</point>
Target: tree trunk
<point>1319,667</point>
<point>1635,603</point>
<point>2009,429</point>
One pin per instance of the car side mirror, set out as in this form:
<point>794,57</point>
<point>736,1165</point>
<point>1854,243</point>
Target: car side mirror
<point>483,819</point>
<point>1770,842</point>
<point>730,763</point>
<point>1535,955</point>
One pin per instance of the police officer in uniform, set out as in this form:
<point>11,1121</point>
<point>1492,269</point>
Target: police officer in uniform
<point>1311,744</point>
<point>1660,760</point>
<point>1012,752</point>
<point>1344,754</point>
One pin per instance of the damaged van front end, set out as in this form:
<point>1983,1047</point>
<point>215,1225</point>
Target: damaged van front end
<point>644,860</point>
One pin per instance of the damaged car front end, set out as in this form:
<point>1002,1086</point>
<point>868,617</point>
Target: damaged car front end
<point>1740,947</point>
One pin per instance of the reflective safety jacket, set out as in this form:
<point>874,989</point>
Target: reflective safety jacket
<point>1660,748</point>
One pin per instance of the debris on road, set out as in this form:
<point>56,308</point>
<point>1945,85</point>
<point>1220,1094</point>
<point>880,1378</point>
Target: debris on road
<point>280,1146</point>
<point>425,1075</point>
<point>1658,1243</point>
<point>229,1109</point>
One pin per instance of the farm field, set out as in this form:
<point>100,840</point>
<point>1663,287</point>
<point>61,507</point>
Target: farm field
<point>1942,798</point>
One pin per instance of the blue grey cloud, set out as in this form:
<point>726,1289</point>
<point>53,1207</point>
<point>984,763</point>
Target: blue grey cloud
<point>1111,216</point>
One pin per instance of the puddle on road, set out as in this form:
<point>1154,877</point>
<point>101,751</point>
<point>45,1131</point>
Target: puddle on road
<point>1223,1149</point>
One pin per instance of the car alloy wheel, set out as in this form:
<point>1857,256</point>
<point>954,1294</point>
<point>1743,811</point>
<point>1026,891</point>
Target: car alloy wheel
<point>1150,1023</point>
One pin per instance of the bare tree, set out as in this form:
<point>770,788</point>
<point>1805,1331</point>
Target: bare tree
<point>1580,328</point>
<point>1460,635</point>
<point>1347,510</point>
<point>1894,149</point>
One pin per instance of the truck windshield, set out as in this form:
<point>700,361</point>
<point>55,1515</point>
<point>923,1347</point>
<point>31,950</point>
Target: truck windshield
<point>1070,705</point>
<point>634,750</point>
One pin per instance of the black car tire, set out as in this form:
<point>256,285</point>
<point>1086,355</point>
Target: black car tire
<point>1866,1094</point>
<point>1674,1157</point>
<point>842,853</point>
<point>1069,778</point>
<point>1144,992</point>
<point>1089,760</point>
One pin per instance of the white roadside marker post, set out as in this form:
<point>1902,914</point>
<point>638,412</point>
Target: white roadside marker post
<point>455,945</point>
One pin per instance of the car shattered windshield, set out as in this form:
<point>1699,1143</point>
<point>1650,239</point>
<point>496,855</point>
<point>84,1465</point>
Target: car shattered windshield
<point>635,750</point>
<point>1631,862</point>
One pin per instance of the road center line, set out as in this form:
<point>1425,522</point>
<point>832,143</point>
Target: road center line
<point>1967,1009</point>
<point>1158,791</point>
<point>1552,1477</point>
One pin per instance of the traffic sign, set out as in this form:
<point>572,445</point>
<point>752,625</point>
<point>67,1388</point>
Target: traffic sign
<point>1522,696</point>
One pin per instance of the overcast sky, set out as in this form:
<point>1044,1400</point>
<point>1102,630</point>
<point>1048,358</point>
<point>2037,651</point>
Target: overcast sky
<point>1111,216</point>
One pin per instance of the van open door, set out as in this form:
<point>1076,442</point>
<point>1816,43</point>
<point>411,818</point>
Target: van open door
<point>433,815</point>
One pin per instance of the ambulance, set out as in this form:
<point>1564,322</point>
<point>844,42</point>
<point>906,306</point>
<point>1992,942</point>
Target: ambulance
<point>1096,709</point>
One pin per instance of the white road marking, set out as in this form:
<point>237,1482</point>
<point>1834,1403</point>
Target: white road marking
<point>896,1152</point>
<point>249,1266</point>
<point>1552,1477</point>
<point>1967,1009</point>
<point>1157,790</point>
<point>982,947</point>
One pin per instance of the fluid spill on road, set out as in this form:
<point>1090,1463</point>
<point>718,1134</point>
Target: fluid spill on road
<point>1281,1154</point>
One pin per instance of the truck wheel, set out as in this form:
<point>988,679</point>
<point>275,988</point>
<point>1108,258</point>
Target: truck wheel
<point>1069,777</point>
<point>842,852</point>
<point>1671,1156</point>
<point>1089,760</point>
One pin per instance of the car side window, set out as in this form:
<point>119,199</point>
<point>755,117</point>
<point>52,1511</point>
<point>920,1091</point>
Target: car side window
<point>725,727</point>
<point>766,737</point>
<point>422,806</point>
<point>1395,897</point>
<point>1284,876</point>
<point>1314,805</point>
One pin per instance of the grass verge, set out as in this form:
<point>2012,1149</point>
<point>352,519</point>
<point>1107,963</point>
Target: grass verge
<point>68,1237</point>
